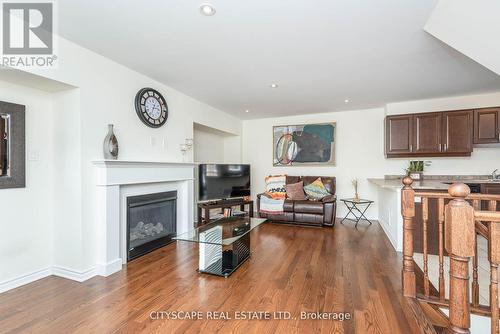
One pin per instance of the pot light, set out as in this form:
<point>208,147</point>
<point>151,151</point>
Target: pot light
<point>247,111</point>
<point>207,9</point>
<point>346,100</point>
<point>274,85</point>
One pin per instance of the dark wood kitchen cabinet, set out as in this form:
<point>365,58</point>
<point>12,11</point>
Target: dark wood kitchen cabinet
<point>457,132</point>
<point>427,133</point>
<point>399,135</point>
<point>487,126</point>
<point>430,134</point>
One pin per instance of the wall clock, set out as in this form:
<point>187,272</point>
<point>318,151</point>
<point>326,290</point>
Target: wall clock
<point>151,107</point>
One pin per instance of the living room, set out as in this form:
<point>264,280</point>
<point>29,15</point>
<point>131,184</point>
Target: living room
<point>106,117</point>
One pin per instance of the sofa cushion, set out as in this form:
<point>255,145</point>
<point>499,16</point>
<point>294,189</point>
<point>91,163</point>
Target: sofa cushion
<point>329,199</point>
<point>328,182</point>
<point>275,186</point>
<point>308,207</point>
<point>316,190</point>
<point>308,218</point>
<point>283,217</point>
<point>292,179</point>
<point>295,191</point>
<point>288,206</point>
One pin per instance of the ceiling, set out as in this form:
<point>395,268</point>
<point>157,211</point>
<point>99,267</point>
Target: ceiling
<point>319,52</point>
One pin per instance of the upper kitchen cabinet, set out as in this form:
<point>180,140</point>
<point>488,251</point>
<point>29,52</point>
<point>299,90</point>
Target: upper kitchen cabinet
<point>433,134</point>
<point>399,135</point>
<point>457,132</point>
<point>487,126</point>
<point>427,133</point>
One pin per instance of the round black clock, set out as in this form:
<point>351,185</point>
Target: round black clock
<point>151,107</point>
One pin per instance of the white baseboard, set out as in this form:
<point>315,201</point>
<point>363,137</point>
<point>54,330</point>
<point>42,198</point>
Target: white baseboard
<point>389,236</point>
<point>25,279</point>
<point>75,275</point>
<point>106,269</point>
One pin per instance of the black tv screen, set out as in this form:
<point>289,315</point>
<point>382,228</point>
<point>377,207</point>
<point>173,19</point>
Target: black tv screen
<point>218,181</point>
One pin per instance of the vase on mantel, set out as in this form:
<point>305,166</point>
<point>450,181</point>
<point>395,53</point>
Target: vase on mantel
<point>110,145</point>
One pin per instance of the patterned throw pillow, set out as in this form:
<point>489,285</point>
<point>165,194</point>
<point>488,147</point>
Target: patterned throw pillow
<point>295,191</point>
<point>275,186</point>
<point>316,190</point>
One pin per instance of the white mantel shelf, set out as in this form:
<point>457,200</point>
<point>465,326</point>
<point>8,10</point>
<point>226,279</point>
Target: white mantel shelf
<point>126,172</point>
<point>109,162</point>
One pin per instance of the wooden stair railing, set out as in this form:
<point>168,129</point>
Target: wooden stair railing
<point>459,225</point>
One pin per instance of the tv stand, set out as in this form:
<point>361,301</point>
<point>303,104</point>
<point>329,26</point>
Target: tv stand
<point>205,207</point>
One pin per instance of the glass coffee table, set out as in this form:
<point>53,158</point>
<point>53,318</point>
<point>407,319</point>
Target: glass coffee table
<point>224,244</point>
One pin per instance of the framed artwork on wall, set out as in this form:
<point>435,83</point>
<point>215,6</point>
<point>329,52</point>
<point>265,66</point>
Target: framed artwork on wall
<point>12,146</point>
<point>304,144</point>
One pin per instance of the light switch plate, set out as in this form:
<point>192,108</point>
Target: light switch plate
<point>34,156</point>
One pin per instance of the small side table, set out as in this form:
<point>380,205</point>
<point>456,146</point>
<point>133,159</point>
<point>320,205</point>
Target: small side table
<point>352,205</point>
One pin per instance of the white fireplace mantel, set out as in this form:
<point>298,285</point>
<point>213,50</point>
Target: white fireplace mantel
<point>116,179</point>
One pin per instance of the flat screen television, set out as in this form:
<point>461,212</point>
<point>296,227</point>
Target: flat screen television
<point>220,181</point>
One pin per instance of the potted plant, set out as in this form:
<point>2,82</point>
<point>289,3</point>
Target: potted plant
<point>415,169</point>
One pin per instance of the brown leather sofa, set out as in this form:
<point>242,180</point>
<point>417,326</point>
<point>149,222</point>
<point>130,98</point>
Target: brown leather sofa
<point>317,213</point>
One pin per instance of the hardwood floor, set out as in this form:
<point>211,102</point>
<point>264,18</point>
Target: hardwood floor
<point>292,269</point>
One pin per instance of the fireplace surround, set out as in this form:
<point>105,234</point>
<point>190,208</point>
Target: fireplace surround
<point>116,181</point>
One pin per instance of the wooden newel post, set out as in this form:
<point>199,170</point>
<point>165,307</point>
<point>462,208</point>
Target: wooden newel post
<point>408,212</point>
<point>494,258</point>
<point>459,242</point>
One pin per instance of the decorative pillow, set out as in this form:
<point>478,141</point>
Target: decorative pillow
<point>316,190</point>
<point>295,191</point>
<point>275,186</point>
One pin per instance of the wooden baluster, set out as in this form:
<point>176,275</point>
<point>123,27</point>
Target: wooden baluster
<point>408,212</point>
<point>494,258</point>
<point>459,242</point>
<point>441,247</point>
<point>476,204</point>
<point>425,219</point>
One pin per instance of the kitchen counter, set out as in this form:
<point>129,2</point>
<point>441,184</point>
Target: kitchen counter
<point>431,182</point>
<point>398,184</point>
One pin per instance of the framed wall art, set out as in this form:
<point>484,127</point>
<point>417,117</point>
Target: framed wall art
<point>304,144</point>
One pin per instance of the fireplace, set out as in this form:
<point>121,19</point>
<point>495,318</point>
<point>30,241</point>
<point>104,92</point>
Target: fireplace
<point>151,222</point>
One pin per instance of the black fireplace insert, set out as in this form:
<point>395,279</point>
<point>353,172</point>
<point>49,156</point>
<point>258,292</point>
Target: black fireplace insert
<point>151,222</point>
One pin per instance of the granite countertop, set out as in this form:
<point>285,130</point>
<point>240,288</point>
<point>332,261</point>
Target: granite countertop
<point>431,182</point>
<point>398,184</point>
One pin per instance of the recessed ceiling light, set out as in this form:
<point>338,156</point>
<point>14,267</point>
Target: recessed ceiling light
<point>346,100</point>
<point>274,85</point>
<point>207,9</point>
<point>247,110</point>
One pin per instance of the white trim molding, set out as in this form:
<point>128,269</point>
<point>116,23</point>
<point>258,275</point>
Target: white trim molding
<point>75,275</point>
<point>63,272</point>
<point>25,279</point>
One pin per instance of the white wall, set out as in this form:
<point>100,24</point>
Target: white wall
<point>208,146</point>
<point>471,27</point>
<point>360,146</point>
<point>483,160</point>
<point>232,150</point>
<point>215,146</point>
<point>104,94</point>
<point>67,172</point>
<point>359,151</point>
<point>26,214</point>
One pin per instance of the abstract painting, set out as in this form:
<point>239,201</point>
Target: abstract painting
<point>306,144</point>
